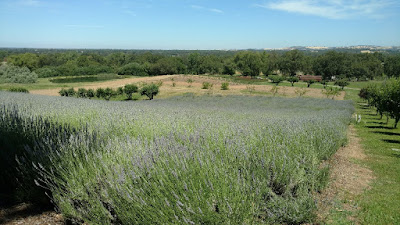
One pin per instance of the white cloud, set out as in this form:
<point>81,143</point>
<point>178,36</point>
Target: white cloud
<point>198,7</point>
<point>333,9</point>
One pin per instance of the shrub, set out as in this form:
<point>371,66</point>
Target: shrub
<point>129,89</point>
<point>207,85</point>
<point>108,93</point>
<point>100,93</point>
<point>189,81</point>
<point>90,93</point>
<point>342,83</point>
<point>81,93</point>
<point>15,74</point>
<point>331,92</point>
<point>18,89</point>
<point>225,86</point>
<point>300,91</point>
<point>63,92</point>
<point>70,92</point>
<point>150,90</point>
<point>276,79</point>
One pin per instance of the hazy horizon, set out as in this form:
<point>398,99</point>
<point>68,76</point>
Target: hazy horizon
<point>197,24</point>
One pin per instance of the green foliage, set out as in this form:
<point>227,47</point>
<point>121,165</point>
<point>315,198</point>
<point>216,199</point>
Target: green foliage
<point>70,92</point>
<point>18,89</point>
<point>100,92</point>
<point>385,97</point>
<point>45,72</point>
<point>291,62</point>
<point>225,86</point>
<point>81,93</point>
<point>392,66</point>
<point>134,69</point>
<point>309,82</point>
<point>248,63</point>
<point>15,74</point>
<point>229,68</point>
<point>292,80</point>
<point>207,85</point>
<point>90,93</point>
<point>276,79</point>
<point>342,83</point>
<point>150,90</point>
<point>129,89</point>
<point>108,93</point>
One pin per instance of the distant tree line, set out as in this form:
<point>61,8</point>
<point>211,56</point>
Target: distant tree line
<point>331,64</point>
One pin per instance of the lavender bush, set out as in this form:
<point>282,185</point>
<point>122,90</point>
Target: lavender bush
<point>193,160</point>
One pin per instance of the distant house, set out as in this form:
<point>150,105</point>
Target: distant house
<point>310,77</point>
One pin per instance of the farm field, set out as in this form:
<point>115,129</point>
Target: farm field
<point>208,159</point>
<point>175,85</point>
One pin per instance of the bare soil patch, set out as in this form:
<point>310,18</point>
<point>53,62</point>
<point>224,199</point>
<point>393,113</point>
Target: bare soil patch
<point>347,179</point>
<point>178,85</point>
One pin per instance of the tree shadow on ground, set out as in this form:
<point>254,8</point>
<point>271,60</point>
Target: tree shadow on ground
<point>23,210</point>
<point>375,122</point>
<point>391,141</point>
<point>380,127</point>
<point>386,133</point>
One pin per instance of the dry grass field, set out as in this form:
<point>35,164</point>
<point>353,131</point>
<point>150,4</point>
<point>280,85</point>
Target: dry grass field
<point>174,85</point>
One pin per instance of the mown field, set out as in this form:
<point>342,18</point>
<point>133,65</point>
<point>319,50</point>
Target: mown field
<point>193,160</point>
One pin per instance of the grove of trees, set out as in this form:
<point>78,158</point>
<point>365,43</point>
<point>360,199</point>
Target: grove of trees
<point>385,98</point>
<point>331,64</point>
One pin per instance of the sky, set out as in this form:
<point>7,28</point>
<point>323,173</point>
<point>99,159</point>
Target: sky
<point>198,24</point>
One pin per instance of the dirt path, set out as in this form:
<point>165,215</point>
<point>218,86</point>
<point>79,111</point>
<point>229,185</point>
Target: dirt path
<point>178,84</point>
<point>347,180</point>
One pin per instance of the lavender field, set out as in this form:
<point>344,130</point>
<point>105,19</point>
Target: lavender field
<point>183,160</point>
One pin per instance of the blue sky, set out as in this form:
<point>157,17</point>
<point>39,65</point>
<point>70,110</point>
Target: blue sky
<point>198,24</point>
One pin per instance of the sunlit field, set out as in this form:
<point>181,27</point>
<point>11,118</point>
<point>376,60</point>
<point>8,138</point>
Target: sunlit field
<point>188,159</point>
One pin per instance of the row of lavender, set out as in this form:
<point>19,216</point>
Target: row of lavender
<point>187,159</point>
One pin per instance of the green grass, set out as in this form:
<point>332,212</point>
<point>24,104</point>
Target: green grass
<point>380,204</point>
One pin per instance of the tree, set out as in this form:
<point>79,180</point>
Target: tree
<point>342,83</point>
<point>332,64</point>
<point>150,90</point>
<point>229,68</point>
<point>248,63</point>
<point>291,62</point>
<point>293,80</point>
<point>129,89</point>
<point>134,69</point>
<point>276,79</point>
<point>392,66</point>
<point>309,82</point>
